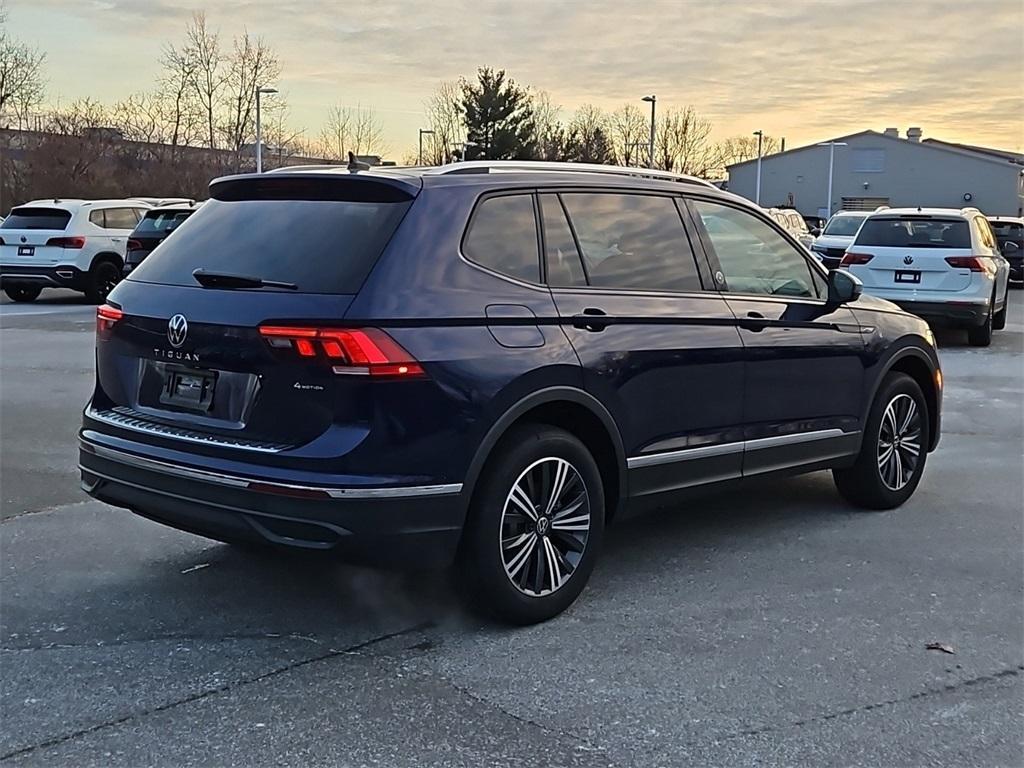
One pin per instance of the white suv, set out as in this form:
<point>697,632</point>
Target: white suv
<point>78,244</point>
<point>942,264</point>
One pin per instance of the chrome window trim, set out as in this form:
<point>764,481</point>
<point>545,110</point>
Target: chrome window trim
<point>236,481</point>
<point>721,449</point>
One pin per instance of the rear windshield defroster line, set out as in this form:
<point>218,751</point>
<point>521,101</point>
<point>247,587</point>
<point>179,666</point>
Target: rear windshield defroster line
<point>321,246</point>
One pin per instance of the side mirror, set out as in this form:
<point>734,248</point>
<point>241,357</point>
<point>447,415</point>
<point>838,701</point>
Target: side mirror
<point>1010,247</point>
<point>816,231</point>
<point>843,287</point>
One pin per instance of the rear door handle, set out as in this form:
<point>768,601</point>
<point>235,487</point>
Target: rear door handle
<point>592,319</point>
<point>754,321</point>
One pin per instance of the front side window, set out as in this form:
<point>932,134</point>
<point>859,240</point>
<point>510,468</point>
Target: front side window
<point>632,241</point>
<point>502,236</point>
<point>754,257</point>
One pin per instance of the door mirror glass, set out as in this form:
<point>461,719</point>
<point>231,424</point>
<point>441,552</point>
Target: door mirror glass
<point>816,231</point>
<point>1010,247</point>
<point>843,286</point>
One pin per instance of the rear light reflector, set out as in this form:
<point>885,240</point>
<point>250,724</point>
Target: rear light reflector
<point>67,242</point>
<point>362,351</point>
<point>106,317</point>
<point>973,263</point>
<point>855,259</point>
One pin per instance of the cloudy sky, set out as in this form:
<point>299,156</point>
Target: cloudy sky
<point>803,69</point>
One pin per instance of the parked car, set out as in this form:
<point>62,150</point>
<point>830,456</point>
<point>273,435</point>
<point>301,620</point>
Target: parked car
<point>1009,232</point>
<point>831,244</point>
<point>942,264</point>
<point>794,223</point>
<point>153,228</point>
<point>77,244</point>
<point>814,224</point>
<point>421,366</point>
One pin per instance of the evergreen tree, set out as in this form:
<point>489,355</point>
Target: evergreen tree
<point>499,118</point>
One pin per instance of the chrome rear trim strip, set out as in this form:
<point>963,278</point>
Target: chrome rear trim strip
<point>236,481</point>
<point>124,421</point>
<point>707,451</point>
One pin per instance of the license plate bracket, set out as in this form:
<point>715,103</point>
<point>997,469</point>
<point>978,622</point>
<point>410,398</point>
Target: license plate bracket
<point>26,250</point>
<point>188,388</point>
<point>908,276</point>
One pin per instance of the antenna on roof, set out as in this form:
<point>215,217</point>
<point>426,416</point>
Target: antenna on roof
<point>355,166</point>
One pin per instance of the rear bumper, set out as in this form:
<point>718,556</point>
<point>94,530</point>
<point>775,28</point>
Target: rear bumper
<point>398,526</point>
<point>61,276</point>
<point>955,313</point>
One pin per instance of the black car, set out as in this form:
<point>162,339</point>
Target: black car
<point>487,363</point>
<point>151,230</point>
<point>1009,229</point>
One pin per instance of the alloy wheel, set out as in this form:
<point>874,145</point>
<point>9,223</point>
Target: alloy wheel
<point>545,525</point>
<point>899,442</point>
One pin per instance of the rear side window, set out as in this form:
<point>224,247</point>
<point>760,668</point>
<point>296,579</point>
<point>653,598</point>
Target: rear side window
<point>37,218</point>
<point>161,222</point>
<point>502,236</point>
<point>120,218</point>
<point>914,232</point>
<point>632,241</point>
<point>322,246</point>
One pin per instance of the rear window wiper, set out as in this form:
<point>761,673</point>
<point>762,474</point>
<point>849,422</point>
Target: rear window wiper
<point>228,280</point>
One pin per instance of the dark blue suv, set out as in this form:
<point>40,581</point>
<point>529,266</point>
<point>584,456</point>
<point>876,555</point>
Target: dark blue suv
<point>486,363</point>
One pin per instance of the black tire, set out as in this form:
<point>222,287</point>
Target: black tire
<point>101,280</point>
<point>868,483</point>
<point>529,457</point>
<point>22,293</point>
<point>999,320</point>
<point>981,335</point>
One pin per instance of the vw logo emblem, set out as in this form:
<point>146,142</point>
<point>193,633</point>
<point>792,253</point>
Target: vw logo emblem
<point>177,330</point>
<point>24,239</point>
<point>542,526</point>
<point>908,259</point>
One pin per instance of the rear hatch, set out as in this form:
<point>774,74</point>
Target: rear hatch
<point>156,225</point>
<point>910,253</point>
<point>35,236</point>
<point>230,338</point>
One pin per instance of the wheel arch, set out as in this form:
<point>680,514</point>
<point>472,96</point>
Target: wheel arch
<point>916,364</point>
<point>110,256</point>
<point>575,411</point>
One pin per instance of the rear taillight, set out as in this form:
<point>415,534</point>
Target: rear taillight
<point>973,263</point>
<point>854,259</point>
<point>106,318</point>
<point>134,245</point>
<point>365,351</point>
<point>67,242</point>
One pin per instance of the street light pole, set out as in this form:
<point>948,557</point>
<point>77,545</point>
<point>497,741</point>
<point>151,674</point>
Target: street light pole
<point>757,188</point>
<point>259,128</point>
<point>831,164</point>
<point>423,131</point>
<point>650,149</point>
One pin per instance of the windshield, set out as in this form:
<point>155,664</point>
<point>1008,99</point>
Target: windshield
<point>322,246</point>
<point>160,222</point>
<point>844,226</point>
<point>37,218</point>
<point>1008,230</point>
<point>915,232</point>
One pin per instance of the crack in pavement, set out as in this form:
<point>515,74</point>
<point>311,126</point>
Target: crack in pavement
<point>331,654</point>
<point>983,679</point>
<point>185,638</point>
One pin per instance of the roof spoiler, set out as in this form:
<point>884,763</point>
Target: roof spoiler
<point>339,187</point>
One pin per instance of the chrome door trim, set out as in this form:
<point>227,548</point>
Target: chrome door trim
<point>706,451</point>
<point>236,481</point>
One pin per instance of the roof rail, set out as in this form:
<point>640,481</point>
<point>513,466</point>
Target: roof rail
<point>970,209</point>
<point>511,166</point>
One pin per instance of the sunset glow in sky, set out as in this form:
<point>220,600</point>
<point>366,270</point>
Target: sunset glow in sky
<point>803,69</point>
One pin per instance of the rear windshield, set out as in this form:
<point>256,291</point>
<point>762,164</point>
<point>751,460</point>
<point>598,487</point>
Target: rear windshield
<point>915,232</point>
<point>160,222</point>
<point>843,226</point>
<point>1007,230</point>
<point>37,218</point>
<point>322,246</point>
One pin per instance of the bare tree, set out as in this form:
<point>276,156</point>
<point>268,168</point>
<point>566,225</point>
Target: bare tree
<point>587,139</point>
<point>21,74</point>
<point>251,65</point>
<point>683,143</point>
<point>176,85</point>
<point>202,49</point>
<point>736,149</point>
<point>630,134</point>
<point>351,129</point>
<point>444,115</point>
<point>550,134</point>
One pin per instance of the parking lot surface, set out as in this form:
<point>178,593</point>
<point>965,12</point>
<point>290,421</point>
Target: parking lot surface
<point>771,625</point>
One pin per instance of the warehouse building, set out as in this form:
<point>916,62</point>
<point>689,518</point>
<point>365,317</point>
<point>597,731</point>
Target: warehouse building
<point>870,169</point>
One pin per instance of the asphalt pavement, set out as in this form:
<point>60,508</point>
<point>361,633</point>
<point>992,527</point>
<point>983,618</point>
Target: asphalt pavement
<point>772,625</point>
